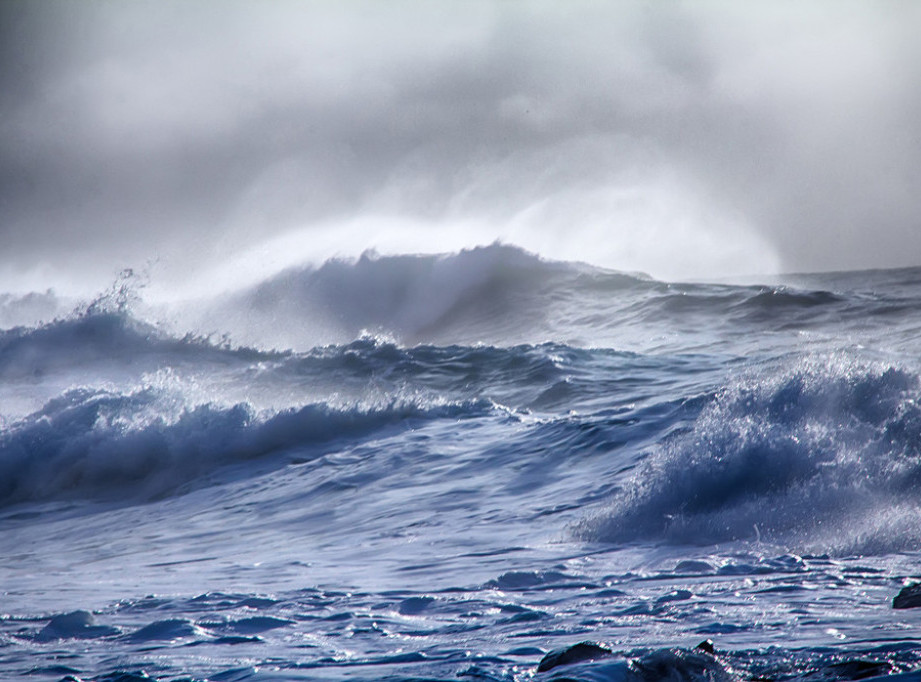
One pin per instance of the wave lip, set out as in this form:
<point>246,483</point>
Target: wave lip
<point>825,456</point>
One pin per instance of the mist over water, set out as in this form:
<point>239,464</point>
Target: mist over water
<point>418,340</point>
<point>689,141</point>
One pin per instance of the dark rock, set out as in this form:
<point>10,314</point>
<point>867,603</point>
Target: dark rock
<point>677,664</point>
<point>674,595</point>
<point>859,669</point>
<point>706,646</point>
<point>908,598</point>
<point>692,566</point>
<point>583,651</point>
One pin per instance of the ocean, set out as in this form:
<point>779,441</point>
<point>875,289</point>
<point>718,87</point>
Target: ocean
<point>450,467</point>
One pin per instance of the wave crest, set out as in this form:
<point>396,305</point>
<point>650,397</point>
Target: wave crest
<point>99,444</point>
<point>488,294</point>
<point>90,338</point>
<point>825,456</point>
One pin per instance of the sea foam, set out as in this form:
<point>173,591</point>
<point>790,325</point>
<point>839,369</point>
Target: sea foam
<point>94,443</point>
<point>822,455</point>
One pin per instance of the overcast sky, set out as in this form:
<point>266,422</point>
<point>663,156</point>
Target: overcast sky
<point>685,139</point>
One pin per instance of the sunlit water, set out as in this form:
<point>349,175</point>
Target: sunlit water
<point>445,467</point>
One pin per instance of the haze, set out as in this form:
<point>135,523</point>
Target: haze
<point>215,142</point>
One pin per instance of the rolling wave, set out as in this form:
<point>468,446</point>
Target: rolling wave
<point>502,295</point>
<point>494,295</point>
<point>90,338</point>
<point>99,444</point>
<point>825,455</point>
<point>760,445</point>
<point>485,294</point>
<point>431,448</point>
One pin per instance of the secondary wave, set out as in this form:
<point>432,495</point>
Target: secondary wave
<point>99,444</point>
<point>824,455</point>
<point>102,337</point>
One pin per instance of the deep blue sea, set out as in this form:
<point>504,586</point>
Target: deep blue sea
<point>445,467</point>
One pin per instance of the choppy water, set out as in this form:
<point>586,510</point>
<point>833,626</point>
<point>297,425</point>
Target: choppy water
<point>444,467</point>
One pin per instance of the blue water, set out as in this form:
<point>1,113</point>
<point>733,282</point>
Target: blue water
<point>446,467</point>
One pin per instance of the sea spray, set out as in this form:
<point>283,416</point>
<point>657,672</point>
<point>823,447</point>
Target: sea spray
<point>814,454</point>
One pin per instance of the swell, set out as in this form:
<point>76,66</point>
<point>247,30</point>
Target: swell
<point>496,295</point>
<point>501,295</point>
<point>823,455</point>
<point>155,435</point>
<point>96,348</point>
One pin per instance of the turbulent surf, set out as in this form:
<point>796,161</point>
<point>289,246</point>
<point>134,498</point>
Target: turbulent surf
<point>481,465</point>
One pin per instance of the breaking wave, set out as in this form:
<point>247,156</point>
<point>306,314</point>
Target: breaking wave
<point>99,444</point>
<point>485,294</point>
<point>825,456</point>
<point>502,295</point>
<point>102,337</point>
<point>494,295</point>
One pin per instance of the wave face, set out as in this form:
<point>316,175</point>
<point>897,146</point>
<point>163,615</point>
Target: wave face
<point>496,294</point>
<point>500,295</point>
<point>96,339</point>
<point>425,467</point>
<point>91,443</point>
<point>825,455</point>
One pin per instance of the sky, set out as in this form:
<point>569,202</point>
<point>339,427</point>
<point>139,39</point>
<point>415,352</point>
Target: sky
<point>215,142</point>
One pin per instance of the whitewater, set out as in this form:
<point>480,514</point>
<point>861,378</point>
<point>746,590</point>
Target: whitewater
<point>448,467</point>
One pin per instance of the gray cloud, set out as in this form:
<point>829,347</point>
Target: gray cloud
<point>639,135</point>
